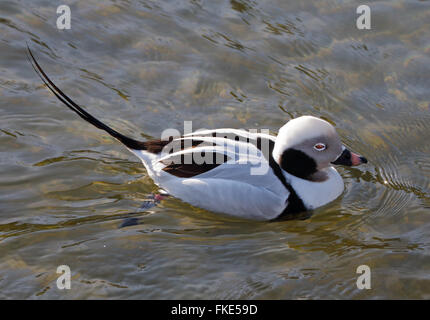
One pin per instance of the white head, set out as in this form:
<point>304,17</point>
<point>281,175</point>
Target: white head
<point>306,145</point>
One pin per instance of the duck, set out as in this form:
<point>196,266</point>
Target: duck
<point>240,173</point>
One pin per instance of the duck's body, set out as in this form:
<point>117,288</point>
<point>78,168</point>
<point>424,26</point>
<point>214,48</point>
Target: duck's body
<point>249,175</point>
<point>231,187</point>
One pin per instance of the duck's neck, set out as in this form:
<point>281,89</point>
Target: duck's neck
<point>315,194</point>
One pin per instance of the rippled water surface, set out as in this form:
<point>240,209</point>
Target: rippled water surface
<point>143,66</point>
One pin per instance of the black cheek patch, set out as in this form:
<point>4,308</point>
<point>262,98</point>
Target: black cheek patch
<point>298,163</point>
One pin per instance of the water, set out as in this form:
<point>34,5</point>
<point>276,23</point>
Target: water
<point>143,66</point>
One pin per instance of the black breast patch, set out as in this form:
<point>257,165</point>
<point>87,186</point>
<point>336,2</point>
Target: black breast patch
<point>295,204</point>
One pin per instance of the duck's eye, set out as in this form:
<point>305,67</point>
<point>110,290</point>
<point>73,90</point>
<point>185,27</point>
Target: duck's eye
<point>319,147</point>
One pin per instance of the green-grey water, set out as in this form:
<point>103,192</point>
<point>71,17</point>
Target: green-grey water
<point>144,66</point>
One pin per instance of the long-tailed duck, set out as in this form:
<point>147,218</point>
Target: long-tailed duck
<point>249,175</point>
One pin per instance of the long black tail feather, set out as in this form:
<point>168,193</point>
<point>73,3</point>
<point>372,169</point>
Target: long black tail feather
<point>128,142</point>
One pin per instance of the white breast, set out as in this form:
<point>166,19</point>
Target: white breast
<point>317,194</point>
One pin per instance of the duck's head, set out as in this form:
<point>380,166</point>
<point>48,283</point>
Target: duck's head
<point>306,145</point>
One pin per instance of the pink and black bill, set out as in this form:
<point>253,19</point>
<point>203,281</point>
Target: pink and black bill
<point>348,158</point>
